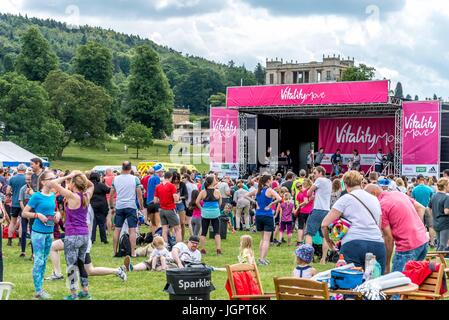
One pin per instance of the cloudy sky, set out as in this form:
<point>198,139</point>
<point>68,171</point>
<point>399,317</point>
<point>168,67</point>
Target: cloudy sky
<point>405,40</point>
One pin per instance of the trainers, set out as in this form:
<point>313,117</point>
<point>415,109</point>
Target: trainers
<point>55,277</point>
<point>127,264</point>
<point>121,273</point>
<point>219,253</point>
<point>262,262</point>
<point>42,296</point>
<point>203,251</point>
<point>71,297</point>
<point>84,296</point>
<point>22,255</point>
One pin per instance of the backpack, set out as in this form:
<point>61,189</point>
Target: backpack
<point>124,248</point>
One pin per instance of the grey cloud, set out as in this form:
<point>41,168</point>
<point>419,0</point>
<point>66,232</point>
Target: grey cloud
<point>355,8</point>
<point>129,9</point>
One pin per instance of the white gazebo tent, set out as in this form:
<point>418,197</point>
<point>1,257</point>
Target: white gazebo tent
<point>11,155</point>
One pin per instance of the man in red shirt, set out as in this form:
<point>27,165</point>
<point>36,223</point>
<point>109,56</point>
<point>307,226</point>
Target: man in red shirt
<point>402,225</point>
<point>167,196</point>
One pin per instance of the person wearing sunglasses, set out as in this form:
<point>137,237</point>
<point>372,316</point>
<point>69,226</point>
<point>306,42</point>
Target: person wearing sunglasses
<point>43,203</point>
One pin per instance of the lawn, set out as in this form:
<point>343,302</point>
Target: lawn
<point>82,158</point>
<point>143,285</point>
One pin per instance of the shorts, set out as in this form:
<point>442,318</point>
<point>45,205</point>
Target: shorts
<point>265,223</point>
<point>314,222</point>
<point>180,207</point>
<point>428,219</point>
<point>286,225</point>
<point>189,213</point>
<point>169,217</point>
<point>16,212</point>
<point>152,208</point>
<point>205,226</point>
<point>302,220</point>
<point>8,210</point>
<point>128,214</point>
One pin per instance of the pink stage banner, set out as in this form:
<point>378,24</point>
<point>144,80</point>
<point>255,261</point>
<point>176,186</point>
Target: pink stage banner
<point>224,139</point>
<point>366,135</point>
<point>309,94</point>
<point>421,138</point>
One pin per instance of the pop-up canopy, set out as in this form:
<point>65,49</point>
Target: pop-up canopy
<point>11,155</point>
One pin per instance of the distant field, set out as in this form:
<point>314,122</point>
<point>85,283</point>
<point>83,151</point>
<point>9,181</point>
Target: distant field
<point>76,157</point>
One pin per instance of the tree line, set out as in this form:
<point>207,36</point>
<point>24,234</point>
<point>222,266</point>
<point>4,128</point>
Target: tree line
<point>60,85</point>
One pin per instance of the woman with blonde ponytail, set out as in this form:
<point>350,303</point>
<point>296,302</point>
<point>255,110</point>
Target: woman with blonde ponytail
<point>77,198</point>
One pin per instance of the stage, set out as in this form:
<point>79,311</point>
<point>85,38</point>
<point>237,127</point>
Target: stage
<point>345,115</point>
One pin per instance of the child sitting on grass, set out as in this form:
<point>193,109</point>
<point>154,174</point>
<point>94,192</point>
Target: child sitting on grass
<point>304,256</point>
<point>160,255</point>
<point>227,211</point>
<point>246,250</point>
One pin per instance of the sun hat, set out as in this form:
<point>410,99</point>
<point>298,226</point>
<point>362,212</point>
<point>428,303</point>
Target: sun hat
<point>305,253</point>
<point>158,167</point>
<point>383,182</point>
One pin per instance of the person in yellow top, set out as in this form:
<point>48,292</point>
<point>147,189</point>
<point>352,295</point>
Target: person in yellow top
<point>297,185</point>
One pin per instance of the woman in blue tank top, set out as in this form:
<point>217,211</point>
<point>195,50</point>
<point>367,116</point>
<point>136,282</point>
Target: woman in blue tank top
<point>266,197</point>
<point>210,211</point>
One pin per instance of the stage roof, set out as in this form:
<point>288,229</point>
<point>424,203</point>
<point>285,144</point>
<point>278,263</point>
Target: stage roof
<point>327,111</point>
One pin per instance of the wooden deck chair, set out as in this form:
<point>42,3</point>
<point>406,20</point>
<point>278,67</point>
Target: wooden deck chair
<point>440,257</point>
<point>252,268</point>
<point>430,288</point>
<point>300,289</point>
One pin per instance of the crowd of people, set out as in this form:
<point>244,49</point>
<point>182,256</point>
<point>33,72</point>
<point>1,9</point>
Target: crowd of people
<point>394,218</point>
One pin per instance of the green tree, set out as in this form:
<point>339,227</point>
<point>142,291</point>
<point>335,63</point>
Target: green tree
<point>236,76</point>
<point>398,92</point>
<point>360,73</point>
<point>435,97</point>
<point>260,74</point>
<point>137,136</point>
<point>408,97</point>
<point>416,98</point>
<point>94,62</point>
<point>8,62</point>
<point>80,105</point>
<point>26,116</point>
<point>36,59</point>
<point>197,87</point>
<point>217,100</point>
<point>150,98</point>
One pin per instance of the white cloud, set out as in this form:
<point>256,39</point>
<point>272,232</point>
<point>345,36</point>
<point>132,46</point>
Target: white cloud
<point>408,45</point>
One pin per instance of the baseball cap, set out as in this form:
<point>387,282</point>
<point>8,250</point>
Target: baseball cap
<point>21,167</point>
<point>158,167</point>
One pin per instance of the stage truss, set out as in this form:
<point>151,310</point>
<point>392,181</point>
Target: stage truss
<point>391,109</point>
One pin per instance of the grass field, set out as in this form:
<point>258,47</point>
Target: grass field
<point>76,157</point>
<point>142,285</point>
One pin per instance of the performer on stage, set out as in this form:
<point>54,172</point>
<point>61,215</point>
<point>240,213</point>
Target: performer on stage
<point>380,159</point>
<point>319,156</point>
<point>337,161</point>
<point>355,162</point>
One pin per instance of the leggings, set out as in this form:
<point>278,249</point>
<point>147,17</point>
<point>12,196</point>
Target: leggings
<point>75,248</point>
<point>23,239</point>
<point>41,244</point>
<point>196,226</point>
<point>443,238</point>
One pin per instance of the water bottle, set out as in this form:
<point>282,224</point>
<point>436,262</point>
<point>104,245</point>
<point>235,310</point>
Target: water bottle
<point>341,261</point>
<point>377,270</point>
<point>369,266</point>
